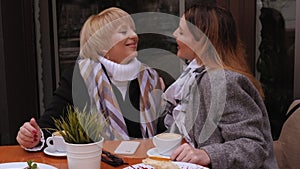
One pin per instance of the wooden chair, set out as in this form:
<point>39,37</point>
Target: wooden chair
<point>287,147</point>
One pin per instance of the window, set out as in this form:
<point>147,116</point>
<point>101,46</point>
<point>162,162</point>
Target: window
<point>276,57</point>
<point>71,14</point>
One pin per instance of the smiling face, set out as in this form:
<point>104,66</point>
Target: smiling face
<point>111,34</point>
<point>185,41</point>
<point>124,46</point>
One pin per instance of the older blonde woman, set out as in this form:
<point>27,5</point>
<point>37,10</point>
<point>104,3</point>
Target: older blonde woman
<point>108,65</point>
<point>109,79</point>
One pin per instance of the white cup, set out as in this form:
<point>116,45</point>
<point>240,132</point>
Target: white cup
<point>166,143</point>
<point>56,142</point>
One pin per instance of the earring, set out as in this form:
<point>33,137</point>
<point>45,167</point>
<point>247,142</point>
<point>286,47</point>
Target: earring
<point>107,56</point>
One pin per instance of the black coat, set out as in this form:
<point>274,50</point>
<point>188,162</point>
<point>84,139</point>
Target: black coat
<point>63,97</point>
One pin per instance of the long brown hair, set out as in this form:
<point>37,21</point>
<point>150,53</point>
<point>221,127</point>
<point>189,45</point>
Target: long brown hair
<point>219,27</point>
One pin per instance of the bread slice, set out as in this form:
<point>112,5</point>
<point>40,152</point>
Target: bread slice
<point>160,164</point>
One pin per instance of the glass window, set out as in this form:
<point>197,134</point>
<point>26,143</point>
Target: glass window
<point>275,62</point>
<point>71,14</point>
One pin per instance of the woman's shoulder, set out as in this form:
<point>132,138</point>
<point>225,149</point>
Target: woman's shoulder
<point>231,79</point>
<point>238,79</point>
<point>229,84</point>
<point>224,74</point>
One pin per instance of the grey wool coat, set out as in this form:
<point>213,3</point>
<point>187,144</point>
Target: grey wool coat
<point>230,122</point>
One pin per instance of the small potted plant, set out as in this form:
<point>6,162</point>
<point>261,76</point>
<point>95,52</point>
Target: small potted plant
<point>82,132</point>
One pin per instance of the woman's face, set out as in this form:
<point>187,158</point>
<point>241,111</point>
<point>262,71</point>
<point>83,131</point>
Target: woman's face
<point>185,41</point>
<point>124,41</point>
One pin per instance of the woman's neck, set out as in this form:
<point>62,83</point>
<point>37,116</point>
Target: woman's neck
<point>121,72</point>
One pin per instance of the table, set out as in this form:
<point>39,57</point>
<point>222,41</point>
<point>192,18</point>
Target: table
<point>17,154</point>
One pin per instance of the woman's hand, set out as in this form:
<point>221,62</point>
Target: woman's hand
<point>187,153</point>
<point>29,134</point>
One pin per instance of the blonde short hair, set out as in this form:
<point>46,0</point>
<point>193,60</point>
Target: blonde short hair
<point>95,35</point>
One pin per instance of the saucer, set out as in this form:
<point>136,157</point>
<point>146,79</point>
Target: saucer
<point>18,165</point>
<point>154,152</point>
<point>50,152</point>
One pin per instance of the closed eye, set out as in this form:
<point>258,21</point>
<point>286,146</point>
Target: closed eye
<point>123,32</point>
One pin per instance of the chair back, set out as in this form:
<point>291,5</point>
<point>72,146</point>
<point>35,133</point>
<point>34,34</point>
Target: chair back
<point>287,147</point>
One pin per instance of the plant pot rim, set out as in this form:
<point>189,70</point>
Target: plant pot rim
<point>84,144</point>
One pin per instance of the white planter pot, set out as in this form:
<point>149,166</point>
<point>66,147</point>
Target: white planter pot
<point>81,156</point>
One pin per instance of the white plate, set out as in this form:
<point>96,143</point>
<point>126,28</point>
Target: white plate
<point>50,152</point>
<point>22,165</point>
<point>181,165</point>
<point>154,152</point>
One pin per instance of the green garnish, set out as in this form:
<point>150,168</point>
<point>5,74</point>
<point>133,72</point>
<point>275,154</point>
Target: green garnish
<point>31,165</point>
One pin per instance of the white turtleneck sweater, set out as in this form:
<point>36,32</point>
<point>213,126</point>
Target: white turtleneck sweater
<point>121,74</point>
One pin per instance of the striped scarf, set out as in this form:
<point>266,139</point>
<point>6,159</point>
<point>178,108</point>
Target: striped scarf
<point>181,100</point>
<point>104,100</point>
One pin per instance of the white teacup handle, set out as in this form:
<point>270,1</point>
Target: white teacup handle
<point>154,141</point>
<point>49,143</point>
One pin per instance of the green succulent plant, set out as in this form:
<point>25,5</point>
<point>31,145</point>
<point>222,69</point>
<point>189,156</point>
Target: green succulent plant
<point>80,127</point>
